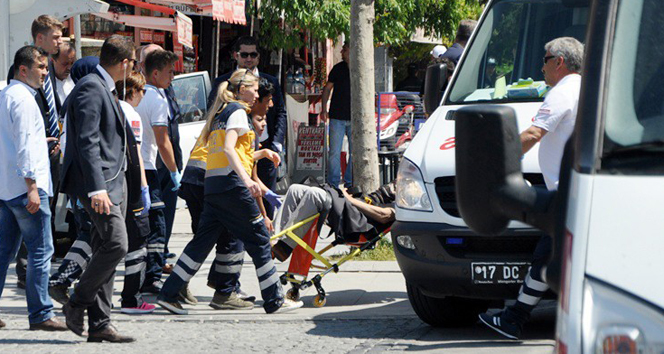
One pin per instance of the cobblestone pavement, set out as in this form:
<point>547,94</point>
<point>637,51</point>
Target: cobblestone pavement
<point>299,336</point>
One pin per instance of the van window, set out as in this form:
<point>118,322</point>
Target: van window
<point>635,97</point>
<point>506,54</point>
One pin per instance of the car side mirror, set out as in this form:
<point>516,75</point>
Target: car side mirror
<point>490,187</point>
<point>435,83</point>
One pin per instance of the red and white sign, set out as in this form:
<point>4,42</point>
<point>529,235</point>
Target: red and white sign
<point>146,36</point>
<point>159,37</point>
<point>230,11</point>
<point>310,147</point>
<point>184,28</point>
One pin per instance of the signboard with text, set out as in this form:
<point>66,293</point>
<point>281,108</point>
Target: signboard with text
<point>310,148</point>
<point>229,11</point>
<point>185,29</point>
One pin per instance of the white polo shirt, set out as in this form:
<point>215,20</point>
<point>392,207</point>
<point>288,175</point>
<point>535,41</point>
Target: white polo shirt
<point>154,111</point>
<point>557,116</point>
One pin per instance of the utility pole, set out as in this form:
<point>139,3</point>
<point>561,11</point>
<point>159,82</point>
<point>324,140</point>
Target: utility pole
<point>365,151</point>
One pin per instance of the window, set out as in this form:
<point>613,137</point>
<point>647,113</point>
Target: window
<point>192,97</point>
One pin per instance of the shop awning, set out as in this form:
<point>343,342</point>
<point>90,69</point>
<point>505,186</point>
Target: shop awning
<point>229,11</point>
<point>179,23</point>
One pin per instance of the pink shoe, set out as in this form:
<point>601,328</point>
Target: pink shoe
<point>145,308</point>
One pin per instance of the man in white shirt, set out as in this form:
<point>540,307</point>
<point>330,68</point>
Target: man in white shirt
<point>25,185</point>
<point>62,63</point>
<point>552,127</point>
<point>157,146</point>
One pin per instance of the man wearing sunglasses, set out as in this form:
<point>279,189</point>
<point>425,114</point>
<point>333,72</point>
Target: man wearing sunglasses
<point>552,127</point>
<point>247,56</point>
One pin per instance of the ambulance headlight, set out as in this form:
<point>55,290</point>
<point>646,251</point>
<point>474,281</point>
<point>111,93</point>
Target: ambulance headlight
<point>411,191</point>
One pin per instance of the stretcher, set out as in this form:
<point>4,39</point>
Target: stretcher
<point>303,255</point>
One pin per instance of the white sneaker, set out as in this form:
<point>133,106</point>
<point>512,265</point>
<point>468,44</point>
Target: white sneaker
<point>289,305</point>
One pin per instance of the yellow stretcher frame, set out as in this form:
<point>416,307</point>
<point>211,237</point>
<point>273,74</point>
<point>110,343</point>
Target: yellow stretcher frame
<point>328,267</point>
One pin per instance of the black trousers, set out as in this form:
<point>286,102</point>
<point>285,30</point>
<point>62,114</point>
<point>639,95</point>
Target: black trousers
<point>109,246</point>
<point>138,228</point>
<point>268,175</point>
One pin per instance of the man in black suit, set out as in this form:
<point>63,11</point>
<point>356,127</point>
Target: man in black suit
<point>95,162</point>
<point>466,28</point>
<point>47,35</point>
<point>247,56</point>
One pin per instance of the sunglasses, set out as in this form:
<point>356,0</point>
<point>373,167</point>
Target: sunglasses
<point>253,55</point>
<point>546,58</point>
<point>242,79</point>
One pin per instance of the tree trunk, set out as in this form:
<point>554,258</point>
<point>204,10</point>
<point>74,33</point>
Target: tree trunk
<point>364,147</point>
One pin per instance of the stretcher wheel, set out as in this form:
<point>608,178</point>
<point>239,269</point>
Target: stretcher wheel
<point>293,294</point>
<point>319,301</point>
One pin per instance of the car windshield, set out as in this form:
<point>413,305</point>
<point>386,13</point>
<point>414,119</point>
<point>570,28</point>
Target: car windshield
<point>504,62</point>
<point>635,109</point>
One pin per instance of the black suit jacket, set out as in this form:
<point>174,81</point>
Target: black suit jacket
<point>97,141</point>
<point>276,116</point>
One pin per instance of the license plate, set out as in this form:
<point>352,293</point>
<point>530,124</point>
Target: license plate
<point>499,272</point>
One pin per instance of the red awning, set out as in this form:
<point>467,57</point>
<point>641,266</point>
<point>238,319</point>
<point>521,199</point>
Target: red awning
<point>230,11</point>
<point>179,23</point>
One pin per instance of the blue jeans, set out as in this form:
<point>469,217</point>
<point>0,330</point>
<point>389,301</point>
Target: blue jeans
<point>35,229</point>
<point>339,128</point>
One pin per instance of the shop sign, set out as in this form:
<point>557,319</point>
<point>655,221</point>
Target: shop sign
<point>185,9</point>
<point>145,36</point>
<point>185,29</point>
<point>230,11</point>
<point>179,51</point>
<point>310,148</point>
<point>159,37</point>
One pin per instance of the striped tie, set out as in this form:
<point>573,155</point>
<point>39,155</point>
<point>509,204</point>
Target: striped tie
<point>53,129</point>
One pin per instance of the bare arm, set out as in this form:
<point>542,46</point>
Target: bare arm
<point>530,137</point>
<point>327,91</point>
<point>376,213</point>
<point>165,147</point>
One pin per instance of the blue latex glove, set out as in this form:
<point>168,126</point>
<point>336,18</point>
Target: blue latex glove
<point>147,202</point>
<point>273,198</point>
<point>176,177</point>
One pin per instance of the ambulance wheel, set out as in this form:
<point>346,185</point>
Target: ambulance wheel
<point>319,301</point>
<point>293,294</point>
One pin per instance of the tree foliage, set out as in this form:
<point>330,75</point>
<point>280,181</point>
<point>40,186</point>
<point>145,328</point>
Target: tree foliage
<point>396,20</point>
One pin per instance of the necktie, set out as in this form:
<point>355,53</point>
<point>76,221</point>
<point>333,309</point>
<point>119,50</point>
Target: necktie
<point>53,129</point>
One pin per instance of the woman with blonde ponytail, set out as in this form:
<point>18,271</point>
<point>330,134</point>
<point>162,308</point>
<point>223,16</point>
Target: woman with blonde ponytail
<point>229,204</point>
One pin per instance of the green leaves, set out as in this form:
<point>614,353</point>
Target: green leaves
<point>396,20</point>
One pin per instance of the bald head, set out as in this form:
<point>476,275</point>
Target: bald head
<point>145,50</point>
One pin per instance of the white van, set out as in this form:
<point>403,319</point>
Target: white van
<point>452,273</point>
<point>606,218</point>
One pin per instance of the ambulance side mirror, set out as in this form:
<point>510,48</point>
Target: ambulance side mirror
<point>490,187</point>
<point>435,83</point>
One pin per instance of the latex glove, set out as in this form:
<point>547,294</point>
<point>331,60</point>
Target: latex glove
<point>147,202</point>
<point>176,177</point>
<point>273,198</point>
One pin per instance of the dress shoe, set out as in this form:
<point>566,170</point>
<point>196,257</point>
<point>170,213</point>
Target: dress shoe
<point>2,324</point>
<point>50,325</point>
<point>75,318</point>
<point>20,283</point>
<point>109,334</point>
<point>59,293</point>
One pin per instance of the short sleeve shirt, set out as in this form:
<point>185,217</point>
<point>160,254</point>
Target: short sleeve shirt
<point>340,105</point>
<point>154,111</point>
<point>557,116</point>
<point>133,119</point>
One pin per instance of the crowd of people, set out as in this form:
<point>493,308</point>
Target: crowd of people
<point>104,131</point>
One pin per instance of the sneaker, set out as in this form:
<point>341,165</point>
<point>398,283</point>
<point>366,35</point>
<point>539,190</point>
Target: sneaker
<point>185,295</point>
<point>498,324</point>
<point>246,297</point>
<point>145,308</point>
<point>172,307</point>
<point>59,293</point>
<point>289,305</point>
<point>153,288</point>
<point>229,302</point>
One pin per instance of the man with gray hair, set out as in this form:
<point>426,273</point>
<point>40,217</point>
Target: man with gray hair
<point>552,126</point>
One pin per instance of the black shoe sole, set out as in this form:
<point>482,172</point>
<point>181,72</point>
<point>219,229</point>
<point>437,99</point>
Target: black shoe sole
<point>507,335</point>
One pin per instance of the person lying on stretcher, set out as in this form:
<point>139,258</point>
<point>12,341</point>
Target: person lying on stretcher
<point>348,217</point>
